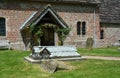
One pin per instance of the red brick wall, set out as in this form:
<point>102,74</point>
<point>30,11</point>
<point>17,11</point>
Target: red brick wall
<point>14,19</point>
<point>71,14</point>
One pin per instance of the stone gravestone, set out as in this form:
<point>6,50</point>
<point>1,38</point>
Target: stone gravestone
<point>118,49</point>
<point>49,66</point>
<point>53,65</point>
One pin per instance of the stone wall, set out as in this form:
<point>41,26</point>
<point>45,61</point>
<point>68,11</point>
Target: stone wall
<point>74,13</point>
<point>14,19</point>
<point>18,13</point>
<point>80,40</point>
<point>111,34</point>
<point>110,22</point>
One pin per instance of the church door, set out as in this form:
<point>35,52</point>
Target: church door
<point>48,37</point>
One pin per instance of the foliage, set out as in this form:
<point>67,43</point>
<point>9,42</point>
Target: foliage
<point>12,65</point>
<point>89,43</point>
<point>32,28</point>
<point>48,25</point>
<point>39,34</point>
<point>62,34</point>
<point>36,32</point>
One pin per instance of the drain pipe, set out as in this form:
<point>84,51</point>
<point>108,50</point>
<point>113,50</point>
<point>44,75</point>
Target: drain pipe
<point>94,36</point>
<point>94,17</point>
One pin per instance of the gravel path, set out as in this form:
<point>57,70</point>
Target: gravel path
<point>102,58</point>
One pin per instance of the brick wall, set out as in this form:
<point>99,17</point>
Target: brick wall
<point>111,34</point>
<point>71,14</point>
<point>74,13</point>
<point>14,19</point>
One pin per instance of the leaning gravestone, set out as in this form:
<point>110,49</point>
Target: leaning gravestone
<point>53,65</point>
<point>49,66</point>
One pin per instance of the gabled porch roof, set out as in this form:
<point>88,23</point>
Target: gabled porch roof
<point>36,17</point>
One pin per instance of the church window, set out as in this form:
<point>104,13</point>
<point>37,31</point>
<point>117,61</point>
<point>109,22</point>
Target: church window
<point>101,34</point>
<point>78,28</point>
<point>83,28</point>
<point>2,27</point>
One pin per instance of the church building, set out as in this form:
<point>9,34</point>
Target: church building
<point>97,19</point>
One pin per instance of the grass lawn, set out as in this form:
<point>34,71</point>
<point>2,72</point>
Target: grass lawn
<point>112,51</point>
<point>13,65</point>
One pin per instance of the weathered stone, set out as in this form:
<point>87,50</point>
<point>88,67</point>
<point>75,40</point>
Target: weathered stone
<point>56,51</point>
<point>4,44</point>
<point>49,66</point>
<point>53,65</point>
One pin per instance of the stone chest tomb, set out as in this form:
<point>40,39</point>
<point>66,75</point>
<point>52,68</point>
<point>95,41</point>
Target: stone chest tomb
<point>54,52</point>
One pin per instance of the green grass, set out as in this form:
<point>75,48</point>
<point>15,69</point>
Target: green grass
<point>91,69</point>
<point>112,51</point>
<point>13,65</point>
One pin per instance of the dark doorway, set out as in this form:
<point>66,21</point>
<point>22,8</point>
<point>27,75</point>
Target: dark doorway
<point>48,37</point>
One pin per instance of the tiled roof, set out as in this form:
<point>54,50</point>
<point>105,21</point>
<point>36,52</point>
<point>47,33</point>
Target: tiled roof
<point>110,11</point>
<point>71,1</point>
<point>33,19</point>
